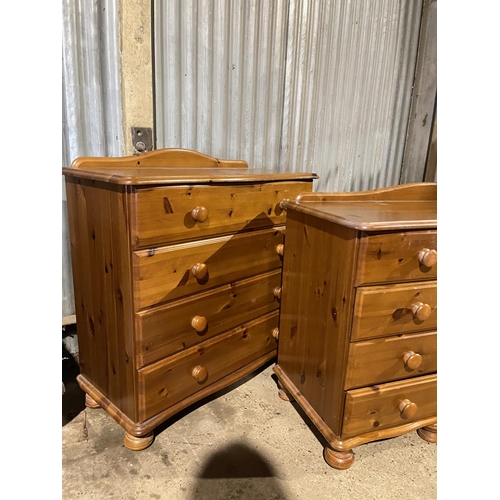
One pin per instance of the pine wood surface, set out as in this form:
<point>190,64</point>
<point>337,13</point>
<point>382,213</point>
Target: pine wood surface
<point>377,407</point>
<point>175,257</point>
<point>165,273</point>
<point>345,443</point>
<point>101,258</point>
<point>142,428</point>
<point>171,166</point>
<point>166,330</point>
<point>317,296</point>
<point>357,338</point>
<point>393,257</point>
<point>164,214</point>
<point>383,360</point>
<point>387,309</point>
<point>169,381</point>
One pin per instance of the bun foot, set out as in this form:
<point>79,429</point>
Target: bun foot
<point>136,443</point>
<point>283,393</point>
<point>429,433</point>
<point>340,460</point>
<point>90,403</point>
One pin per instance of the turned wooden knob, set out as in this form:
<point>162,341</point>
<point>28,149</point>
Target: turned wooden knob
<point>280,249</point>
<point>412,360</point>
<point>421,311</point>
<point>199,214</point>
<point>276,333</point>
<point>427,257</point>
<point>199,271</point>
<point>199,373</point>
<point>407,408</point>
<point>277,292</point>
<point>199,323</point>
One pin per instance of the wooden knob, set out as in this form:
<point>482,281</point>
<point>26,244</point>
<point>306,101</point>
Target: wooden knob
<point>421,311</point>
<point>276,333</point>
<point>407,409</point>
<point>199,271</point>
<point>199,214</point>
<point>427,257</point>
<point>199,323</point>
<point>199,373</point>
<point>277,292</point>
<point>280,249</point>
<point>412,360</point>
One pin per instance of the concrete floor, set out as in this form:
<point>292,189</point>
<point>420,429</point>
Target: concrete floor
<point>241,443</point>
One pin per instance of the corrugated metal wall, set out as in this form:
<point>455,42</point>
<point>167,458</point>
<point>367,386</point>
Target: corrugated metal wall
<point>91,122</point>
<point>292,85</point>
<point>220,68</point>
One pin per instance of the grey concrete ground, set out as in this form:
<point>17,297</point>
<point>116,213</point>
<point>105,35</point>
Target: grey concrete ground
<point>241,443</point>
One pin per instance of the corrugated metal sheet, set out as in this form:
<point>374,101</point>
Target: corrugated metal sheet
<point>91,121</point>
<point>296,85</point>
<point>220,68</point>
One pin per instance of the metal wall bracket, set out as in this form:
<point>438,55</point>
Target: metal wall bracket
<point>142,139</point>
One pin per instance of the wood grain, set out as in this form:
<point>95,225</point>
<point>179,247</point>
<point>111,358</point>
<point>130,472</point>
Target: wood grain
<point>169,381</point>
<point>167,158</point>
<point>101,262</point>
<point>393,257</point>
<point>164,214</point>
<point>387,309</point>
<point>383,360</point>
<point>166,330</point>
<point>377,407</point>
<point>164,274</point>
<point>316,310</point>
<point>416,191</point>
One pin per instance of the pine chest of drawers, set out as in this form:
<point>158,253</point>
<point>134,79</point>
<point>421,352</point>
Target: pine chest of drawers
<point>176,267</point>
<point>358,321</point>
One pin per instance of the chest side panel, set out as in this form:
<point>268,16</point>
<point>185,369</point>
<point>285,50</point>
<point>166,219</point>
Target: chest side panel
<point>316,310</point>
<point>101,260</point>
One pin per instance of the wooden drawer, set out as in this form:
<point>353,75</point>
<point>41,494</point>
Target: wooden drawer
<point>180,325</point>
<point>379,407</point>
<point>394,309</point>
<point>165,214</point>
<point>167,273</point>
<point>395,257</point>
<point>393,358</point>
<point>167,382</point>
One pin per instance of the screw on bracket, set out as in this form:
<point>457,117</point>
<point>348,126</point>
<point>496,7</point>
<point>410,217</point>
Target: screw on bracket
<point>142,139</point>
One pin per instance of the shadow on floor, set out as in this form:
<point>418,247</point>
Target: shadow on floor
<point>237,472</point>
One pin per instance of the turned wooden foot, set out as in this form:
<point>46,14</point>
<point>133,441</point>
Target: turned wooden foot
<point>90,403</point>
<point>283,393</point>
<point>338,459</point>
<point>429,433</point>
<point>136,443</point>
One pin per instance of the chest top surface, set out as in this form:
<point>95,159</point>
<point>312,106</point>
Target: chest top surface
<point>408,206</point>
<point>173,166</point>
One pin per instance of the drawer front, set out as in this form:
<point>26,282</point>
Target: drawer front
<point>167,382</point>
<point>168,273</point>
<point>389,405</point>
<point>394,309</point>
<point>383,360</point>
<point>163,331</point>
<point>172,214</point>
<point>395,257</point>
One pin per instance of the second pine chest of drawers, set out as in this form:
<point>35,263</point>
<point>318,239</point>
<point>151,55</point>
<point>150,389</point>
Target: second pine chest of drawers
<point>358,321</point>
